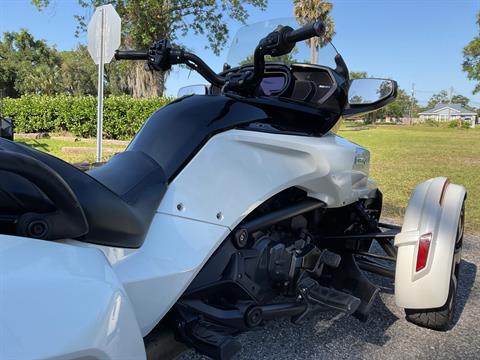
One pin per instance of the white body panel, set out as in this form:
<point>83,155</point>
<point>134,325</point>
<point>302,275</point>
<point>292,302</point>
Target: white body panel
<point>429,287</point>
<point>157,274</point>
<point>63,301</point>
<point>238,170</point>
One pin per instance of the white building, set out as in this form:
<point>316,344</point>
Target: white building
<point>448,112</point>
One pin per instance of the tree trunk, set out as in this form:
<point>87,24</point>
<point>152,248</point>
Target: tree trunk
<point>143,83</point>
<point>312,51</point>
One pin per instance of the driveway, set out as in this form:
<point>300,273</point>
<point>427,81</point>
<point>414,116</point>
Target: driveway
<point>386,334</point>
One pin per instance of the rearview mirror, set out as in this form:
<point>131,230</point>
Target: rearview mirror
<point>193,90</point>
<point>369,91</point>
<point>365,95</point>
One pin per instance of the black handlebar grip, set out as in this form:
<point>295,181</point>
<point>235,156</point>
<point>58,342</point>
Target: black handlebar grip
<point>308,31</point>
<point>131,55</point>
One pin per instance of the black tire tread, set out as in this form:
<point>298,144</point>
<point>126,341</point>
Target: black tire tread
<point>439,319</point>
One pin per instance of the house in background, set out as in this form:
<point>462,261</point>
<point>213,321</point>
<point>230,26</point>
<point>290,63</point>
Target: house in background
<point>449,112</point>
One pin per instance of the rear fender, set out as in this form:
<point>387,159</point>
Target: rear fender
<point>63,301</point>
<point>434,208</point>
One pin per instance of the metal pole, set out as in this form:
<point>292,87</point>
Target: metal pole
<point>100,93</point>
<point>412,103</point>
<point>450,102</point>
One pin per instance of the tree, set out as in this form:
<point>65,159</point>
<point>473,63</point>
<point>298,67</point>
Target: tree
<point>78,72</point>
<point>287,59</point>
<point>460,99</point>
<point>28,66</point>
<point>401,106</point>
<point>358,75</point>
<point>311,10</point>
<point>145,21</point>
<point>471,59</point>
<point>438,98</point>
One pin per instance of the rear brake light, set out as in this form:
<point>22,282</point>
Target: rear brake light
<point>423,248</point>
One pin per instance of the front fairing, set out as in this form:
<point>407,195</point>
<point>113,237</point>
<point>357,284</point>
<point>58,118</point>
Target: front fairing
<point>175,133</point>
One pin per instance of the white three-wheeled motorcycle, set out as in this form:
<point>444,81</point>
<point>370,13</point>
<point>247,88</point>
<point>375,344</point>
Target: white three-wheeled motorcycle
<point>228,209</point>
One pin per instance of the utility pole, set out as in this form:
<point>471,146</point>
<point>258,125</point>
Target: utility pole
<point>412,103</point>
<point>450,95</point>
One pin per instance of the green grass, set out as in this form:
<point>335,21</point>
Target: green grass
<point>55,147</point>
<point>403,156</point>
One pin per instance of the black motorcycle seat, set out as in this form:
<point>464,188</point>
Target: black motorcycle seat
<point>119,198</point>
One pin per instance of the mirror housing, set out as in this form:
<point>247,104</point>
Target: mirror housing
<point>199,89</point>
<point>369,94</point>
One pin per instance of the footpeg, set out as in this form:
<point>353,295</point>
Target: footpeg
<point>330,258</point>
<point>321,298</point>
<point>212,340</point>
<point>327,258</point>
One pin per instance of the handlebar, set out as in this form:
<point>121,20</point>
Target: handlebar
<point>131,55</point>
<point>308,31</point>
<point>161,56</point>
<point>195,63</point>
<point>175,56</point>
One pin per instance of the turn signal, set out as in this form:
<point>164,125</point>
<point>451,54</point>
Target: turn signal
<point>423,248</point>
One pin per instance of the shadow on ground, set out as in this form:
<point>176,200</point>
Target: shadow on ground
<point>35,144</point>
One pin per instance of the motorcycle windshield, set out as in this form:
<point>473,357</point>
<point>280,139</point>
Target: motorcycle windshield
<point>312,51</point>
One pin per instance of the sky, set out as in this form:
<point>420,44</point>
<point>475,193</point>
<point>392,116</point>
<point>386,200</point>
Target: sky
<point>411,41</point>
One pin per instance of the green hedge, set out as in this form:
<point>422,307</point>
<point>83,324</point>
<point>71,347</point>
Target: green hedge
<point>122,115</point>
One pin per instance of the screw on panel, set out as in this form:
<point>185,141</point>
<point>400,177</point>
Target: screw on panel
<point>219,216</point>
<point>180,207</point>
<point>240,238</point>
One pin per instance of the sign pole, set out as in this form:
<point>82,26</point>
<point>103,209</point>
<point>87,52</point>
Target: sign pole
<point>100,90</point>
<point>104,33</point>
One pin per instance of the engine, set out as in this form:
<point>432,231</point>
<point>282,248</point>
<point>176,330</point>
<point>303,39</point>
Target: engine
<point>278,262</point>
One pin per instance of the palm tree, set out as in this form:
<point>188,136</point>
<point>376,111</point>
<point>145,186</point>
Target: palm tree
<point>310,10</point>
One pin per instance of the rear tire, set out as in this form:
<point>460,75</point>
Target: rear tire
<point>436,319</point>
<point>441,318</point>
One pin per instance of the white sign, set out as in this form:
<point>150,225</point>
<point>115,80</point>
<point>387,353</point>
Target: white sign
<point>104,32</point>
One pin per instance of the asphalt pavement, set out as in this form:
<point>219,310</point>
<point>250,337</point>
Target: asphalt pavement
<point>385,335</point>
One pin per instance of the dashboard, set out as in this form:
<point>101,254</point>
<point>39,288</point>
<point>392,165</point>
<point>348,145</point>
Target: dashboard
<point>313,84</point>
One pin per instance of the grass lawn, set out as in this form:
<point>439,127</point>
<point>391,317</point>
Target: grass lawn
<point>403,156</point>
<point>56,146</point>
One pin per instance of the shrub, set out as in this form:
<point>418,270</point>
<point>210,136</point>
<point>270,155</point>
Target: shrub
<point>431,122</point>
<point>459,124</point>
<point>466,125</point>
<point>453,124</point>
<point>122,115</point>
